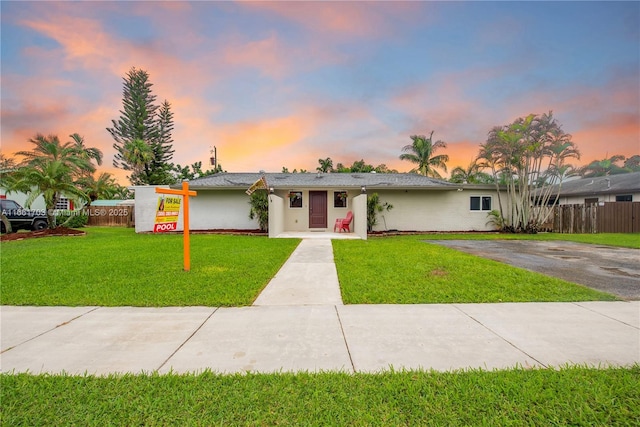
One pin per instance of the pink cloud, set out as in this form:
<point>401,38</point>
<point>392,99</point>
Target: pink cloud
<point>344,19</point>
<point>267,55</point>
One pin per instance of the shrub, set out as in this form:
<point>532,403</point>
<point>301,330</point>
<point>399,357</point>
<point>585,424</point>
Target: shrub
<point>72,219</point>
<point>259,202</point>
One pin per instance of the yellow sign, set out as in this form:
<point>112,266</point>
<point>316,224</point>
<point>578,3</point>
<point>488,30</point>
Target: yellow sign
<point>185,192</point>
<point>260,184</point>
<point>167,213</point>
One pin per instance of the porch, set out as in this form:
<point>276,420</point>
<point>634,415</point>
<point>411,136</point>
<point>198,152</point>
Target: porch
<point>316,235</point>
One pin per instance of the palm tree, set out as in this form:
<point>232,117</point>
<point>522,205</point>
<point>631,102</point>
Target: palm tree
<point>326,165</point>
<point>633,163</point>
<point>604,167</point>
<point>89,153</point>
<point>50,149</point>
<point>104,187</point>
<point>7,166</point>
<point>138,154</point>
<point>50,170</point>
<point>421,152</point>
<point>471,175</point>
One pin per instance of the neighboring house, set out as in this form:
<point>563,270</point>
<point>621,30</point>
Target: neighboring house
<point>613,188</point>
<point>38,203</point>
<point>313,201</point>
<point>21,198</point>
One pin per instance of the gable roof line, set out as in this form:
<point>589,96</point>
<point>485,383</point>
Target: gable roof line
<point>610,184</point>
<point>321,180</point>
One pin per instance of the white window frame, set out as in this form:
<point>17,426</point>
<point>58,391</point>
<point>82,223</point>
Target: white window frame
<point>481,197</point>
<point>300,194</point>
<point>346,199</point>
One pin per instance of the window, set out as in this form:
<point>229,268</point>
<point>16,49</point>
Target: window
<point>339,199</point>
<point>295,199</point>
<point>591,201</point>
<point>480,203</point>
<point>624,198</point>
<point>63,203</point>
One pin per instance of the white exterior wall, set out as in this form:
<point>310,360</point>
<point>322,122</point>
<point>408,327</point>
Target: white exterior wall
<point>228,209</point>
<point>417,210</point>
<point>208,210</point>
<point>276,215</point>
<point>21,198</point>
<point>297,219</point>
<point>146,202</point>
<point>360,205</point>
<point>420,210</point>
<point>579,200</point>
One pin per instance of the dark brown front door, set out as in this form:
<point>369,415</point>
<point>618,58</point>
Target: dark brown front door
<point>317,209</point>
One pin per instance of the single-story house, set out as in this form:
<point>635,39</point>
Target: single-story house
<point>613,188</point>
<point>21,198</point>
<point>300,202</point>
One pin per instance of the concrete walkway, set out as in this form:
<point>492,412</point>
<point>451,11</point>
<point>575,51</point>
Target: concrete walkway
<point>293,327</point>
<point>309,277</point>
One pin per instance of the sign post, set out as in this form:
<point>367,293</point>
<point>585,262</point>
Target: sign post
<point>185,193</point>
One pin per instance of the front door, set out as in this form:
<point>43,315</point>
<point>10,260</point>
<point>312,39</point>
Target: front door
<point>317,209</point>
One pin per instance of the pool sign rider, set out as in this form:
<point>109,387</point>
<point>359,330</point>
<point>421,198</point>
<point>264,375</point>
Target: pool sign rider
<point>168,220</point>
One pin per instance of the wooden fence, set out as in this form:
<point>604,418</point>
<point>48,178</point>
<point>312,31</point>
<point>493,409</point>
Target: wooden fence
<point>115,216</point>
<point>613,217</point>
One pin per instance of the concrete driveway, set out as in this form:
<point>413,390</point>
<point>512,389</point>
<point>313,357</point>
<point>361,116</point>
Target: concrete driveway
<point>606,268</point>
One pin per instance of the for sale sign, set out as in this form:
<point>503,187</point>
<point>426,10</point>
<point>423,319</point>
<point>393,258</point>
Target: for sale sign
<point>167,214</point>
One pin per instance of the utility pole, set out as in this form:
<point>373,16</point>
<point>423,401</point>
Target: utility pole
<point>213,160</point>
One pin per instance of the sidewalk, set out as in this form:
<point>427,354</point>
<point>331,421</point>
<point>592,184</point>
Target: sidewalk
<point>288,329</point>
<point>350,338</point>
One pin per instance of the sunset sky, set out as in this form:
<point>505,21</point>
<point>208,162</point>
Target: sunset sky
<point>275,84</point>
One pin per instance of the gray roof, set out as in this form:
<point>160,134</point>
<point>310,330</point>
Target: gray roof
<point>612,184</point>
<point>285,181</point>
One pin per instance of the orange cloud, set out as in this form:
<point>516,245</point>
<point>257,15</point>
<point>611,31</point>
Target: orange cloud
<point>595,140</point>
<point>270,140</point>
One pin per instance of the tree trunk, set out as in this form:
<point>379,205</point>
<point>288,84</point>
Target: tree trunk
<point>7,223</point>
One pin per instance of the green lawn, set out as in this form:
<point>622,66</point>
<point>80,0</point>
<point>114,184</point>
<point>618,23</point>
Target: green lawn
<point>117,267</point>
<point>114,266</point>
<point>406,270</point>
<point>570,396</point>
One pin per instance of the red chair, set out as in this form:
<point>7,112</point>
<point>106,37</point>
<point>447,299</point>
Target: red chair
<point>344,223</point>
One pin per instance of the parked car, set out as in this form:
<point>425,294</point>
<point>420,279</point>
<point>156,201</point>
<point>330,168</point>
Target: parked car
<point>21,218</point>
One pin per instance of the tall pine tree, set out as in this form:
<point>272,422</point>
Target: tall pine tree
<point>142,120</point>
<point>162,147</point>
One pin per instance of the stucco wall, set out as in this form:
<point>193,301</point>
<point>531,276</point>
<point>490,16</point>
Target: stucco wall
<point>146,200</point>
<point>578,200</point>
<point>297,219</point>
<point>276,215</point>
<point>413,210</point>
<point>21,199</point>
<point>421,210</point>
<point>360,210</point>
<point>221,209</point>
<point>208,210</point>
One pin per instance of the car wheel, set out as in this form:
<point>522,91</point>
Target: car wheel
<point>39,224</point>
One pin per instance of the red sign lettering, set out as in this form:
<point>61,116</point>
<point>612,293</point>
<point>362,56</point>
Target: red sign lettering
<point>165,226</point>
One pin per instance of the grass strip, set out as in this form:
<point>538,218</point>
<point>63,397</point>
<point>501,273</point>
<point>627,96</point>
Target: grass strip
<point>406,270</point>
<point>625,240</point>
<point>117,267</point>
<point>576,396</point>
